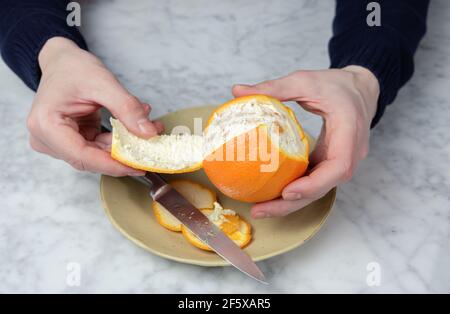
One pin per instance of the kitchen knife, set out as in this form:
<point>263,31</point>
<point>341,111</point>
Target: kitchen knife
<point>200,225</point>
<point>196,221</point>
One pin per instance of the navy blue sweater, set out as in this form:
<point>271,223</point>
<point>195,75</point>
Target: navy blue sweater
<point>387,50</point>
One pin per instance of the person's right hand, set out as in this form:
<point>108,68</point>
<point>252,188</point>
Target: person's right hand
<point>64,121</point>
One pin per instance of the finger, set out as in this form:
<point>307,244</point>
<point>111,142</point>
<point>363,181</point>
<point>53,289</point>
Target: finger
<point>320,150</point>
<point>278,207</point>
<point>327,173</point>
<point>322,178</point>
<point>40,147</point>
<point>291,87</point>
<point>159,126</point>
<point>70,146</point>
<point>280,89</point>
<point>89,132</point>
<point>127,108</point>
<point>89,125</point>
<point>94,159</point>
<point>147,108</point>
<point>104,141</point>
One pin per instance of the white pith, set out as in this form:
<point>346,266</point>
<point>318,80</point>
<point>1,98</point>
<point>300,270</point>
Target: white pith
<point>163,151</point>
<point>217,214</point>
<point>245,116</point>
<point>177,152</point>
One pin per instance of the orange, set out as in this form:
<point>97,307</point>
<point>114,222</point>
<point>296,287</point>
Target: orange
<point>244,179</point>
<point>251,148</point>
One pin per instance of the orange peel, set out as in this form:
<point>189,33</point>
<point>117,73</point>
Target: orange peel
<point>251,148</point>
<point>197,194</point>
<point>236,228</point>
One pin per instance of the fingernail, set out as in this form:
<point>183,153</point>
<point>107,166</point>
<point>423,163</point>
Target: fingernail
<point>291,196</point>
<point>259,215</point>
<point>146,127</point>
<point>103,146</point>
<point>136,173</point>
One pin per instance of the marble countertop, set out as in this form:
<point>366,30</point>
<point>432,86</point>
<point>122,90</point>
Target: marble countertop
<point>391,220</point>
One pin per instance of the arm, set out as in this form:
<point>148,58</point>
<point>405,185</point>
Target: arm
<point>386,50</point>
<point>71,86</point>
<point>25,26</point>
<point>369,66</point>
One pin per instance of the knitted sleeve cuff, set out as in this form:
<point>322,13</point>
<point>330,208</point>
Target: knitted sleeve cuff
<point>21,46</point>
<point>378,51</point>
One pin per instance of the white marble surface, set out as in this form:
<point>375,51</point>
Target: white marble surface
<point>174,54</point>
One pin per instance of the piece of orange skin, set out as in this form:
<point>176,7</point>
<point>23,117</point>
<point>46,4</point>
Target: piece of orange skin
<point>232,225</point>
<point>243,180</point>
<point>162,222</point>
<point>178,182</point>
<point>115,155</point>
<point>192,239</point>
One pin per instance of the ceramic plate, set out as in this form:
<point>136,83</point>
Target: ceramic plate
<point>128,205</point>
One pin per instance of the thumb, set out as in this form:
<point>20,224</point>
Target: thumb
<point>240,90</point>
<point>283,89</point>
<point>128,109</point>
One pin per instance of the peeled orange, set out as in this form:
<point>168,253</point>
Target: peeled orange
<point>251,148</point>
<point>264,148</point>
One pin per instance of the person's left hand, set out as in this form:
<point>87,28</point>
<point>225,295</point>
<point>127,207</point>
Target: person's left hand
<point>347,101</point>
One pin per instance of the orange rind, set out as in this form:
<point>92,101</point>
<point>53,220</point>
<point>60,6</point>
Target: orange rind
<point>236,228</point>
<point>251,148</point>
<point>197,194</point>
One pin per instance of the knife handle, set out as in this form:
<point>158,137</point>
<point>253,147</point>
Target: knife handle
<point>158,185</point>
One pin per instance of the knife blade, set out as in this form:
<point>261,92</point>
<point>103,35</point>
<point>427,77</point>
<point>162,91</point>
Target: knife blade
<point>201,226</point>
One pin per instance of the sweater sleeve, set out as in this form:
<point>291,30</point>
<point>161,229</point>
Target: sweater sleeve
<point>386,50</point>
<point>25,26</point>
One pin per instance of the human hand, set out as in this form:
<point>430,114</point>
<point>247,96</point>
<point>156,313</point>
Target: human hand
<point>64,121</point>
<point>346,99</point>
